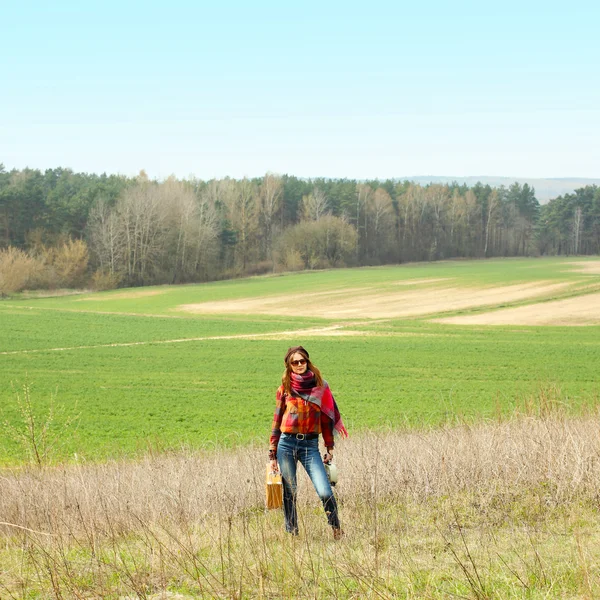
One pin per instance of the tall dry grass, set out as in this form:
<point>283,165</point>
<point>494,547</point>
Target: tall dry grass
<point>494,510</point>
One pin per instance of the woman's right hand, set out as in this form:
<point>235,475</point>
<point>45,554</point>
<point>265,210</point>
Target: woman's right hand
<point>274,466</point>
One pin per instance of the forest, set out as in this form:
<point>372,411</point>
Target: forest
<point>59,228</point>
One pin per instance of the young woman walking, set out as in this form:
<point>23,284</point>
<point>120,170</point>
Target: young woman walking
<point>305,408</point>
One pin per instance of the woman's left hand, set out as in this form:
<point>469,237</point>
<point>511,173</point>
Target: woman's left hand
<point>328,457</point>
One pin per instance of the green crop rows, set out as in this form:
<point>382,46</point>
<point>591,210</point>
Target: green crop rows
<point>164,384</point>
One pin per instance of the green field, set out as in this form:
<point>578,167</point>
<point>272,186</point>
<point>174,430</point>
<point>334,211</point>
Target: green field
<point>141,374</point>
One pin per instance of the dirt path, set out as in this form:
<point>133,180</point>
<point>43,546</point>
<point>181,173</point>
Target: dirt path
<point>331,330</point>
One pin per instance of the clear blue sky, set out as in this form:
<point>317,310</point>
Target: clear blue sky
<point>335,89</point>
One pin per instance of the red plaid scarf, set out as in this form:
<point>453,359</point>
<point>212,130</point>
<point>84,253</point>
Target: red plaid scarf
<point>304,386</point>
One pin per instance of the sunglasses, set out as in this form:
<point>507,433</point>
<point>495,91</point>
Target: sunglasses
<point>297,363</point>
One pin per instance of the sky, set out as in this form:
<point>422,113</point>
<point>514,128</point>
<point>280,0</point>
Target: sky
<point>313,89</point>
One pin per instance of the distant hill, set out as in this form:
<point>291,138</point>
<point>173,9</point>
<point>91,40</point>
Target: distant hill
<point>545,189</point>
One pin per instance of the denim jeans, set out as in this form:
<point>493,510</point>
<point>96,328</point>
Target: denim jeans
<point>290,450</point>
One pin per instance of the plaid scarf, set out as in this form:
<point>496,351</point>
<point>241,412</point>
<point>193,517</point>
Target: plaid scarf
<point>304,386</point>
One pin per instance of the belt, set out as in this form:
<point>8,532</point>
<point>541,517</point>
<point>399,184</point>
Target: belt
<point>303,436</point>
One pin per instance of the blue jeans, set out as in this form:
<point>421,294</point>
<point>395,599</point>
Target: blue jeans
<point>290,450</point>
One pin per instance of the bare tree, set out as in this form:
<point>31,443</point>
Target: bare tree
<point>577,223</point>
<point>416,212</point>
<point>454,203</point>
<point>380,210</point>
<point>469,216</point>
<point>240,199</point>
<point>491,211</point>
<point>144,215</point>
<point>404,209</point>
<point>206,231</point>
<point>363,195</point>
<point>315,205</point>
<point>179,202</point>
<point>437,196</point>
<point>106,237</point>
<point>462,215</point>
<point>271,192</point>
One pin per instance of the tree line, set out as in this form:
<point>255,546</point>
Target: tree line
<point>118,230</point>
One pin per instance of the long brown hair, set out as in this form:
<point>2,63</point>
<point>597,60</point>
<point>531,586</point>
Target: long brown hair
<point>286,377</point>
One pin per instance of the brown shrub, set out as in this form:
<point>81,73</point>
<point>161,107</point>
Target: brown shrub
<point>64,265</point>
<point>16,269</point>
<point>45,277</point>
<point>259,268</point>
<point>70,262</point>
<point>289,260</point>
<point>104,280</point>
<point>328,242</point>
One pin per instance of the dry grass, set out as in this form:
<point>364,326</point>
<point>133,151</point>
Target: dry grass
<point>581,310</point>
<point>496,510</point>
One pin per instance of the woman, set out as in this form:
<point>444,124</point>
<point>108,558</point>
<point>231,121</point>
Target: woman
<point>305,408</point>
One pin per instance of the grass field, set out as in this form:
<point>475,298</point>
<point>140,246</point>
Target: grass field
<point>471,472</point>
<point>143,370</point>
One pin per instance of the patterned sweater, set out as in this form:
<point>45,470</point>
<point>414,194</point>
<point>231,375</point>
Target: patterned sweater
<point>295,415</point>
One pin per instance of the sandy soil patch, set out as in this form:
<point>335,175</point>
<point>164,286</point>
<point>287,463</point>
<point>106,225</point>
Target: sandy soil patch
<point>125,295</point>
<point>366,303</point>
<point>582,310</point>
<point>590,267</point>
